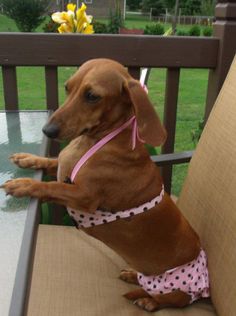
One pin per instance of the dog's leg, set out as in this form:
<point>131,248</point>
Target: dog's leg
<point>77,197</point>
<point>25,160</point>
<point>136,294</point>
<point>129,276</point>
<point>173,299</point>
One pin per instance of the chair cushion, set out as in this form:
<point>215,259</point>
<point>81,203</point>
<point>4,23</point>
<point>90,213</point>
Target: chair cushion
<point>74,274</point>
<point>208,199</point>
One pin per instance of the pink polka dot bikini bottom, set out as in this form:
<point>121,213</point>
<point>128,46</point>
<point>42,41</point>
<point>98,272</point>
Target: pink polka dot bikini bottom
<point>191,278</point>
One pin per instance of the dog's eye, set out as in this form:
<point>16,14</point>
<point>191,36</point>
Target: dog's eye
<point>91,97</point>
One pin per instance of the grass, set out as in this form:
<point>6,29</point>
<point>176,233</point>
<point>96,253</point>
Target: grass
<point>192,94</point>
<point>31,86</point>
<point>8,25</point>
<point>191,103</point>
<point>139,22</point>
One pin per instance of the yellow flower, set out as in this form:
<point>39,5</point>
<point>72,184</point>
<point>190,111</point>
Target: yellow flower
<point>88,29</point>
<point>80,12</point>
<point>72,22</point>
<point>71,7</point>
<point>65,28</point>
<point>83,20</point>
<point>59,17</point>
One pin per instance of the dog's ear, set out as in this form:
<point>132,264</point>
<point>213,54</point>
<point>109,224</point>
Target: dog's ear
<point>149,124</point>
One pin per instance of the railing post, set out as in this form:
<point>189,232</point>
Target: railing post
<point>225,29</point>
<point>170,115</point>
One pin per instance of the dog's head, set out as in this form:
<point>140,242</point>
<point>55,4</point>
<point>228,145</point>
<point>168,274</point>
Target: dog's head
<point>100,95</point>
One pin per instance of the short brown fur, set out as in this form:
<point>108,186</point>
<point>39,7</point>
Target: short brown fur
<point>116,177</point>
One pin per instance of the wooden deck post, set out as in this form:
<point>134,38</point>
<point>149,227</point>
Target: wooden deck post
<point>170,116</point>
<point>224,28</point>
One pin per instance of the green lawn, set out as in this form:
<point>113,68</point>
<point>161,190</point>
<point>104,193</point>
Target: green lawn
<point>191,102</point>
<point>7,25</point>
<point>139,22</point>
<point>192,94</point>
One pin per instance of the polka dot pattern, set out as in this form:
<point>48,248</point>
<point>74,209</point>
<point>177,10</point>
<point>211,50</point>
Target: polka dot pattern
<point>191,278</point>
<point>85,220</point>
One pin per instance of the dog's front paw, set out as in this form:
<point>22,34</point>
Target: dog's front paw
<point>25,160</point>
<point>22,187</point>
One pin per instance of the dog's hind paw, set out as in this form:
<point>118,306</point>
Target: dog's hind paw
<point>129,276</point>
<point>147,303</point>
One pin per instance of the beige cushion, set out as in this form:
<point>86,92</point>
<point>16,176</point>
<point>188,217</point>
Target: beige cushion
<point>76,275</point>
<point>208,198</point>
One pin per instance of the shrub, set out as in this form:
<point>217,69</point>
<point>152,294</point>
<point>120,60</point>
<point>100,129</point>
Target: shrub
<point>114,23</point>
<point>195,30</point>
<point>154,29</point>
<point>116,20</point>
<point>99,27</point>
<point>51,27</point>
<point>207,31</point>
<point>182,33</point>
<point>27,14</point>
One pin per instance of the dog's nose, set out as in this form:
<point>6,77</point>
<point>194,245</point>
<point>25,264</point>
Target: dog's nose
<point>51,130</point>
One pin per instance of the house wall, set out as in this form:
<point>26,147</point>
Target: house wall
<point>96,8</point>
<point>102,8</point>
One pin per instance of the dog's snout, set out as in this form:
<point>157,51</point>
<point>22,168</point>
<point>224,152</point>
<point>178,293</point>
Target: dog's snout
<point>51,130</point>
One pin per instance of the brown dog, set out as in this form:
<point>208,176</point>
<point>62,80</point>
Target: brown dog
<point>101,96</point>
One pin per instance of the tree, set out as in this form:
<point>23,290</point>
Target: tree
<point>27,14</point>
<point>175,16</point>
<point>191,7</point>
<point>208,7</point>
<point>169,4</point>
<point>157,6</point>
<point>134,4</point>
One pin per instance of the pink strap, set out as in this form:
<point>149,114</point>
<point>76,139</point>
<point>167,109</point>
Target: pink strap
<point>135,135</point>
<point>105,140</point>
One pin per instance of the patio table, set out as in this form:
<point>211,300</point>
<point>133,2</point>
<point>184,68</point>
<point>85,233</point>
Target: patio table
<point>19,132</point>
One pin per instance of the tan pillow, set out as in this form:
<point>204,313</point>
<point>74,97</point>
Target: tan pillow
<point>208,198</point>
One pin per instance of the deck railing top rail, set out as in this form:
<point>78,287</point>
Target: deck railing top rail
<point>25,49</point>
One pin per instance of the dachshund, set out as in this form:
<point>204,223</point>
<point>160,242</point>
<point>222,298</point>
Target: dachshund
<point>113,190</point>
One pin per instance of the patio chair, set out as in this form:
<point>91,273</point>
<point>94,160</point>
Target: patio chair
<point>74,274</point>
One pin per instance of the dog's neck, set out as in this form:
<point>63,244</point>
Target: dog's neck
<point>135,137</point>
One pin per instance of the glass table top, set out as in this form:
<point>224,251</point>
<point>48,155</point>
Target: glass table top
<point>19,132</point>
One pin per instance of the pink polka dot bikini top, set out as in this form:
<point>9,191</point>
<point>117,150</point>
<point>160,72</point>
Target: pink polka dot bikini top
<point>85,219</point>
